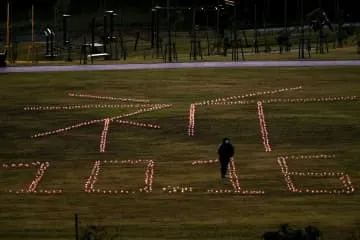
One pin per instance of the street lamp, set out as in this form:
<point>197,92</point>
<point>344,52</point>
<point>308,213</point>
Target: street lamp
<point>285,15</point>
<point>169,32</point>
<point>66,40</point>
<point>302,38</point>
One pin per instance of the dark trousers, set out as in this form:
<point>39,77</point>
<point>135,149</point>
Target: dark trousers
<point>224,162</point>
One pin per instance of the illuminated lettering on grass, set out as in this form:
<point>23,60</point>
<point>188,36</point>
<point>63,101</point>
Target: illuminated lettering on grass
<point>142,108</point>
<point>347,186</point>
<point>229,101</point>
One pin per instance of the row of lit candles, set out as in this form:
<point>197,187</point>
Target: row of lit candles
<point>39,173</point>
<point>177,189</point>
<point>149,175</point>
<point>87,106</point>
<point>263,127</point>
<point>198,162</point>
<point>20,191</point>
<point>87,123</point>
<point>191,126</point>
<point>65,129</point>
<point>254,94</point>
<point>241,192</point>
<point>317,174</point>
<point>316,156</point>
<point>104,134</point>
<point>233,175</point>
<point>98,190</point>
<point>137,124</point>
<point>344,179</point>
<point>292,100</point>
<point>89,184</point>
<point>231,169</point>
<point>21,165</point>
<point>107,98</point>
<point>138,161</point>
<point>234,179</point>
<point>32,188</point>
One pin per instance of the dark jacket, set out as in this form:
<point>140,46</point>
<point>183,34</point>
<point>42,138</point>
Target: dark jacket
<point>226,150</point>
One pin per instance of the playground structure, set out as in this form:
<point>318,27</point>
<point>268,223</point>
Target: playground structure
<point>50,48</point>
<point>318,20</point>
<point>195,39</point>
<point>195,50</point>
<point>3,58</point>
<point>174,34</point>
<point>108,40</point>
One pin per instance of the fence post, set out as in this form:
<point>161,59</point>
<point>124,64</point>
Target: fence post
<point>76,227</point>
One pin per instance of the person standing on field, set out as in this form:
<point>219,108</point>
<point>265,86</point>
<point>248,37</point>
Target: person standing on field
<point>226,152</point>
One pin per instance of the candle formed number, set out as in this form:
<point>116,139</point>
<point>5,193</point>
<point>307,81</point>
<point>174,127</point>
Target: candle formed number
<point>343,178</point>
<point>149,174</point>
<point>32,188</point>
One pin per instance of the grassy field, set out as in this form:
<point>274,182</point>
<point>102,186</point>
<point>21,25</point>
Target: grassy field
<point>294,129</point>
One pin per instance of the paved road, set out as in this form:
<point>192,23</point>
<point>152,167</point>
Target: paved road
<point>259,64</point>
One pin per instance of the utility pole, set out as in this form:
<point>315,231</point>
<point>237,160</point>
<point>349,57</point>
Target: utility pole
<point>337,10</point>
<point>256,43</point>
<point>339,22</point>
<point>302,40</point>
<point>194,34</point>
<point>8,25</point>
<point>236,56</point>
<point>267,6</point>
<point>153,17</point>
<point>285,15</point>
<point>218,18</point>
<point>32,33</point>
<point>169,31</point>
<point>76,227</point>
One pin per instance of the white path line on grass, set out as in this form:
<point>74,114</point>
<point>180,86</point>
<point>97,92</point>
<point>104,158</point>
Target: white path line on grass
<point>77,68</point>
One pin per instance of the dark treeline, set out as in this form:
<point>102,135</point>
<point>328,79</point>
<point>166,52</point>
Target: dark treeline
<point>273,10</point>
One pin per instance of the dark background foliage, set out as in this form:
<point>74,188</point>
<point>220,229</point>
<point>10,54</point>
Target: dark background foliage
<point>272,9</point>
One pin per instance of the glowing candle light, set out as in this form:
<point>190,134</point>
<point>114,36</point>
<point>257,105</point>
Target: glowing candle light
<point>263,128</point>
<point>107,98</point>
<point>104,135</point>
